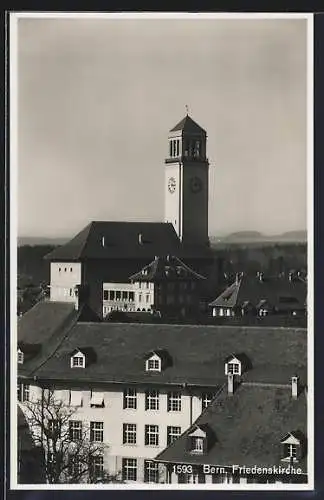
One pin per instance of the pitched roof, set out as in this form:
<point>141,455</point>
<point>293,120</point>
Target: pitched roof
<point>114,239</point>
<point>279,292</point>
<point>167,268</point>
<point>39,323</point>
<point>248,426</point>
<point>45,325</point>
<point>198,353</point>
<point>187,124</point>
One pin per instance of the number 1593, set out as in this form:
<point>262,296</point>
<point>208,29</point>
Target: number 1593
<point>182,469</point>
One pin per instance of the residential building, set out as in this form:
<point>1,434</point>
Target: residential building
<point>261,295</point>
<point>143,389</point>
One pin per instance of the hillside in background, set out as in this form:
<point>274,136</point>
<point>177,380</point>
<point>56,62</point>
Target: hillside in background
<point>32,241</point>
<point>257,237</point>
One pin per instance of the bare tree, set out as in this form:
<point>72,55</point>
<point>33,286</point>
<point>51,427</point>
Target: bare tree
<point>71,451</point>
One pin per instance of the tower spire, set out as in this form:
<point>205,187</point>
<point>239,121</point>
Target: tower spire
<point>187,109</point>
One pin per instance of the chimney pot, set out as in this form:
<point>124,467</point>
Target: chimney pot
<point>140,238</point>
<point>294,387</point>
<point>230,384</point>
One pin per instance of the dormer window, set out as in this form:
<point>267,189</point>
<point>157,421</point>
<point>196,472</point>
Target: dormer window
<point>293,444</point>
<point>233,366</point>
<point>157,360</point>
<point>20,357</point>
<point>153,364</point>
<point>197,445</point>
<point>198,440</point>
<point>78,360</point>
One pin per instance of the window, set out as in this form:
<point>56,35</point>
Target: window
<point>20,356</point>
<point>206,398</point>
<point>75,430</point>
<point>174,401</point>
<point>197,444</point>
<point>70,269</point>
<point>118,295</point>
<point>153,364</point>
<point>23,392</point>
<point>152,435</point>
<point>60,269</point>
<point>233,368</point>
<point>131,296</point>
<point>151,472</point>
<point>96,431</point>
<point>290,451</point>
<point>139,297</point>
<point>130,398</point>
<point>172,433</point>
<point>147,298</point>
<point>54,427</point>
<point>75,398</point>
<point>96,468</point>
<point>129,433</point>
<point>125,295</point>
<point>78,361</point>
<point>112,295</point>
<point>97,400</point>
<point>129,469</point>
<point>152,400</point>
<point>105,295</point>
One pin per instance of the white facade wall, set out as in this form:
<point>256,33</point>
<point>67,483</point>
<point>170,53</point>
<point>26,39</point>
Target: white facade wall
<point>113,415</point>
<point>63,279</point>
<point>143,297</point>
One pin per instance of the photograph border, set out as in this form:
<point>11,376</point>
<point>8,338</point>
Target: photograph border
<point>13,67</point>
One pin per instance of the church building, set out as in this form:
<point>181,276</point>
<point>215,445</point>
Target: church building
<point>105,253</point>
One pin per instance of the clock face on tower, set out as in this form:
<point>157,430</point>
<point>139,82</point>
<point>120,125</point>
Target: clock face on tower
<point>172,184</point>
<point>195,184</point>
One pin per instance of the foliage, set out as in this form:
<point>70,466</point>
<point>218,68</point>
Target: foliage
<point>66,457</point>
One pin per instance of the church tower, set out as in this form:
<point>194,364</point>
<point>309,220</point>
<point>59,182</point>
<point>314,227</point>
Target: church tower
<point>186,182</point>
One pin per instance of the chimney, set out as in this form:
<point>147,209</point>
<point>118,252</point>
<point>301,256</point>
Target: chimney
<point>77,297</point>
<point>140,239</point>
<point>103,241</point>
<point>230,384</point>
<point>294,387</point>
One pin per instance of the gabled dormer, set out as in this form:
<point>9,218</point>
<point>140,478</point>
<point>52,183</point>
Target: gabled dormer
<point>157,360</point>
<point>20,356</point>
<point>200,439</point>
<point>293,446</point>
<point>237,364</point>
<point>82,357</point>
<point>26,351</point>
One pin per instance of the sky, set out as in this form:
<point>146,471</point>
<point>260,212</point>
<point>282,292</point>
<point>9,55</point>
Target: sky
<point>97,97</point>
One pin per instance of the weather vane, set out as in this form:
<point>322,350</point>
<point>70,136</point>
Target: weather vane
<point>187,109</point>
